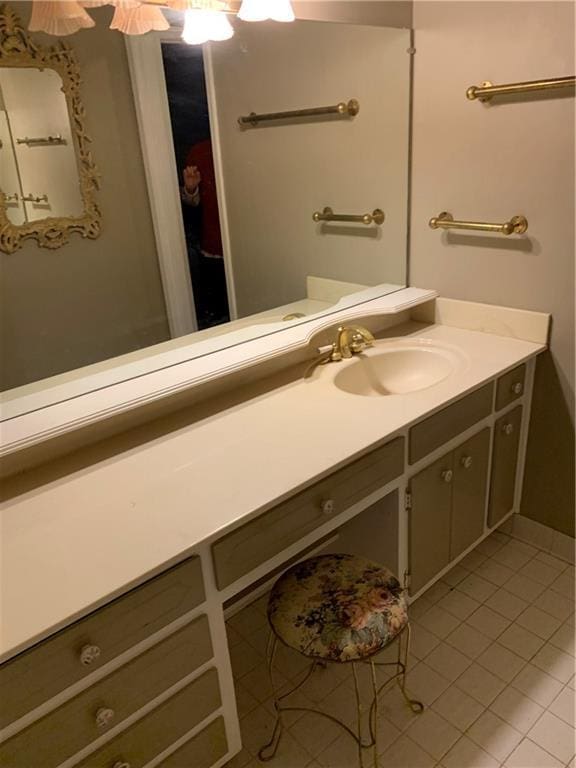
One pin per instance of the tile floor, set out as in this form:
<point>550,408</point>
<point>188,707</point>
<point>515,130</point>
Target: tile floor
<point>492,659</point>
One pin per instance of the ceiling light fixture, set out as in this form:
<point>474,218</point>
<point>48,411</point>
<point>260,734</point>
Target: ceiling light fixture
<point>201,26</point>
<point>58,17</point>
<point>260,10</point>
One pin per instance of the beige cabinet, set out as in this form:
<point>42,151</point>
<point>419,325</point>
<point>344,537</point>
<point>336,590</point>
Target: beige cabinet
<point>504,465</point>
<point>447,508</point>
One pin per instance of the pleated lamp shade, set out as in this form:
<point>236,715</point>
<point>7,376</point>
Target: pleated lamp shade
<point>138,19</point>
<point>58,17</point>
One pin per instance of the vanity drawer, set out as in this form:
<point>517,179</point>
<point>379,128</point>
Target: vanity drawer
<point>510,387</point>
<point>71,727</point>
<point>247,547</point>
<point>162,727</point>
<point>39,674</point>
<point>437,429</point>
<point>202,751</point>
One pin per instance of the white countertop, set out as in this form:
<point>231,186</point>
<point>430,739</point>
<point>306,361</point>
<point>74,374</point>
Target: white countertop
<point>70,545</point>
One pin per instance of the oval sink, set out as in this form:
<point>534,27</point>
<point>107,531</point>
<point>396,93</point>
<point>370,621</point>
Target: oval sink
<point>397,368</point>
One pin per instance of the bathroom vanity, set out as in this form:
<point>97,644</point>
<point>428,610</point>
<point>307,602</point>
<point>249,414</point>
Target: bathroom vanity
<point>117,580</point>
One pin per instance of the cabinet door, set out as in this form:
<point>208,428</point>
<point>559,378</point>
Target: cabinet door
<point>469,492</point>
<point>429,542</point>
<point>504,463</point>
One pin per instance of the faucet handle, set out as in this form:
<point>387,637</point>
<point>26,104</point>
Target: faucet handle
<point>360,338</point>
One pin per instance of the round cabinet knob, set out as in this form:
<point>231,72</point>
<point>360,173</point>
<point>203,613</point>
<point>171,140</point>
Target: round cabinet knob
<point>121,764</point>
<point>89,654</point>
<point>104,717</point>
<point>447,475</point>
<point>327,506</point>
<point>508,428</point>
<point>517,388</point>
<point>466,461</point>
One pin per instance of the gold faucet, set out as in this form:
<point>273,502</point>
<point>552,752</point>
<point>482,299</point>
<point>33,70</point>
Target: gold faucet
<point>351,340</point>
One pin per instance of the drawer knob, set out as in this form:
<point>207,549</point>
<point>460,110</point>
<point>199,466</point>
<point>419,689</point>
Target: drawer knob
<point>466,461</point>
<point>447,475</point>
<point>508,428</point>
<point>517,388</point>
<point>121,764</point>
<point>327,506</point>
<point>104,717</point>
<point>89,654</point>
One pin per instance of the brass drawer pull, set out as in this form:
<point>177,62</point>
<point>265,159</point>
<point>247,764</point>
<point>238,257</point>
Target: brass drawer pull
<point>466,461</point>
<point>447,475</point>
<point>104,717</point>
<point>508,428</point>
<point>516,388</point>
<point>327,506</point>
<point>89,654</point>
<point>121,764</point>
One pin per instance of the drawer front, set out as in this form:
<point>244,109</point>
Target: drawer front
<point>436,430</point>
<point>504,463</point>
<point>510,387</point>
<point>247,547</point>
<point>202,751</point>
<point>74,725</point>
<point>162,727</point>
<point>37,675</point>
<point>429,521</point>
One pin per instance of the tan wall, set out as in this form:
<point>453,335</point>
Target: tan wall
<point>89,300</point>
<point>489,163</point>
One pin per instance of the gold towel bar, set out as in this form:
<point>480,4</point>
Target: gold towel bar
<point>485,91</point>
<point>516,226</point>
<point>42,140</point>
<point>346,109</point>
<point>376,217</point>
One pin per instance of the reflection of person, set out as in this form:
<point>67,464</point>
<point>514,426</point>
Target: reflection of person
<point>199,190</point>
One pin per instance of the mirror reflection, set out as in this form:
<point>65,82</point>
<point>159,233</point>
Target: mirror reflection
<point>215,230</point>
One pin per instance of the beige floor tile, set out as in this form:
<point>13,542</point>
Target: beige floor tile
<point>494,572</point>
<point>556,605</point>
<point>506,604</point>
<point>521,641</point>
<point>315,733</point>
<point>553,562</point>
<point>248,620</point>
<point>439,622</point>
<point>539,571</point>
<point>467,754</point>
<point>425,684</point>
<point>448,661</point>
<point>244,658</point>
<point>523,587</point>
<point>472,560</point>
<point>489,545</point>
<point>458,708</point>
<point>455,576</point>
<point>517,709</point>
<point>554,735</point>
<point>555,662</point>
<point>241,760</point>
<point>494,735</point>
<point>437,591</point>
<point>563,639</point>
<point>477,588</point>
<point>538,622</point>
<point>468,641</point>
<point>342,753</point>
<point>524,546</point>
<point>501,662</point>
<point>537,685</point>
<point>480,684</point>
<point>418,608</point>
<point>563,706</point>
<point>422,641</point>
<point>564,584</point>
<point>488,622</point>
<point>433,733</point>
<point>458,604</point>
<point>530,755</point>
<point>511,557</point>
<point>405,753</point>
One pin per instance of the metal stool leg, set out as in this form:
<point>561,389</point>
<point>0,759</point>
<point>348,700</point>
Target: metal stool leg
<point>402,665</point>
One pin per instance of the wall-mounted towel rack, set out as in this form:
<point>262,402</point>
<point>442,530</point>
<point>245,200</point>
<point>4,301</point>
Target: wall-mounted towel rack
<point>487,90</point>
<point>345,109</point>
<point>376,217</point>
<point>516,226</point>
<point>40,141</point>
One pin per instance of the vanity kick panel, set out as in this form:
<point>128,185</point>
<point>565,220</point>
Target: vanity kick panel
<point>39,674</point>
<point>162,727</point>
<point>448,423</point>
<point>247,547</point>
<point>71,727</point>
<point>202,751</point>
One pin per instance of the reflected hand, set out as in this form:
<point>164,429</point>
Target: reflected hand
<point>192,178</point>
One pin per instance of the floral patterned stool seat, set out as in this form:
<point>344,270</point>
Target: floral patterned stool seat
<point>339,608</point>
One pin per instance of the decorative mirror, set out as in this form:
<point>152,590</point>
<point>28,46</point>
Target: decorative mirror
<point>48,178</point>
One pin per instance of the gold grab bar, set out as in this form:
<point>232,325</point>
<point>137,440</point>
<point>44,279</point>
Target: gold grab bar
<point>516,226</point>
<point>346,109</point>
<point>42,140</point>
<point>485,91</point>
<point>376,217</point>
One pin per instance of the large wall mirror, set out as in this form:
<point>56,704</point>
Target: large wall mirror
<point>216,227</point>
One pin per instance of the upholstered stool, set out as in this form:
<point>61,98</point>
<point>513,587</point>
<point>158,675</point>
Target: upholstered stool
<point>339,608</point>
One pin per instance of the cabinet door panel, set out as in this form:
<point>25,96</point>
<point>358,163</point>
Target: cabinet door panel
<point>504,463</point>
<point>429,543</point>
<point>469,492</point>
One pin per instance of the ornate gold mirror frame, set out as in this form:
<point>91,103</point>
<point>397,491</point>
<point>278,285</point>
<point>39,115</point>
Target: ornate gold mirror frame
<point>17,49</point>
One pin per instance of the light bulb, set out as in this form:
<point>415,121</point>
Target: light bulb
<point>200,26</point>
<point>260,10</point>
